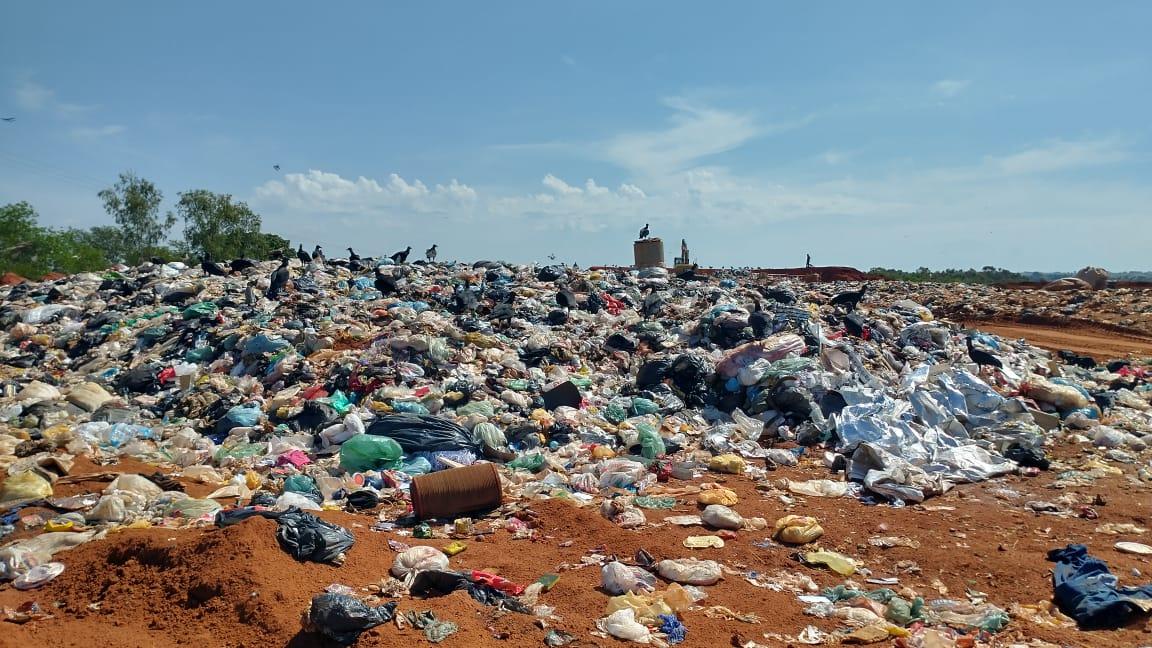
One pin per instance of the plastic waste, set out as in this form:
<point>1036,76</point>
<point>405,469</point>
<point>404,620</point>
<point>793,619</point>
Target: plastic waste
<point>797,529</point>
<point>727,463</point>
<point>367,452</point>
<point>417,559</point>
<point>622,625</point>
<point>690,571</point>
<point>618,578</point>
<point>721,517</point>
<point>26,485</point>
<point>343,618</point>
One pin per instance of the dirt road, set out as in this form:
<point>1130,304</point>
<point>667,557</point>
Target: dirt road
<point>1100,344</point>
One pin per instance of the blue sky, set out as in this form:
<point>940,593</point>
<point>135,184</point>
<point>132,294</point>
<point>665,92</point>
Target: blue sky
<point>896,134</point>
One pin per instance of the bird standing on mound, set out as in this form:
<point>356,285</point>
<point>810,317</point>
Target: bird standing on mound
<point>241,264</point>
<point>758,320</point>
<point>401,257</point>
<point>983,358</point>
<point>850,299</point>
<point>304,257</point>
<point>644,232</point>
<point>318,255</point>
<point>278,280</point>
<point>211,267</point>
<point>352,256</point>
<point>430,253</point>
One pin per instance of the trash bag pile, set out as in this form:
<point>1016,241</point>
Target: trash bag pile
<point>575,383</point>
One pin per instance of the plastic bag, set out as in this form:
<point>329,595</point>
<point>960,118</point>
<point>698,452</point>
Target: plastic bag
<point>367,452</point>
<point>489,435</point>
<point>138,484</point>
<point>727,463</point>
<point>25,485</point>
<point>691,571</point>
<point>722,496</point>
<point>797,529</point>
<point>721,517</point>
<point>618,578</point>
<point>651,444</point>
<point>307,537</point>
<point>418,559</point>
<point>416,433</point>
<point>192,509</point>
<point>622,625</point>
<point>290,500</point>
<point>342,618</point>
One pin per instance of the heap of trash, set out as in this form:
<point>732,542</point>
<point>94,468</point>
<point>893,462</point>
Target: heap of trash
<point>439,401</point>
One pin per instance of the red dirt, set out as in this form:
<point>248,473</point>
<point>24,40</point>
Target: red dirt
<point>236,587</point>
<point>1096,342</point>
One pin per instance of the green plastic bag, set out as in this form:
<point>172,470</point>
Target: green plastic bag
<point>368,452</point>
<point>651,444</point>
<point>642,406</point>
<point>300,484</point>
<point>483,408</point>
<point>339,402</point>
<point>614,414</point>
<point>199,354</point>
<point>240,451</point>
<point>533,463</point>
<point>203,310</point>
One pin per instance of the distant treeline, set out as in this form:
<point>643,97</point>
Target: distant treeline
<point>985,275</point>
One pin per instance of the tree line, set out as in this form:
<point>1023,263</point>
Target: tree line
<point>214,224</point>
<point>985,275</point>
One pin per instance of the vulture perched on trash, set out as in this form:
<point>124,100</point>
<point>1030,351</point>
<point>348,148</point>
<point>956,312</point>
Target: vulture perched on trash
<point>384,283</point>
<point>239,265</point>
<point>983,358</point>
<point>851,299</point>
<point>430,253</point>
<point>278,280</point>
<point>211,267</point>
<point>758,320</point>
<point>401,257</point>
<point>304,257</point>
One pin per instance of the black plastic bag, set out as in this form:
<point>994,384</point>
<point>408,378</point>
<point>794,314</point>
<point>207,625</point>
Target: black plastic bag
<point>652,373</point>
<point>1028,457</point>
<point>420,433</point>
<point>439,583</point>
<point>140,380</point>
<point>620,342</point>
<point>564,394</point>
<point>342,618</point>
<point>307,537</point>
<point>549,273</point>
<point>316,416</point>
<point>363,499</point>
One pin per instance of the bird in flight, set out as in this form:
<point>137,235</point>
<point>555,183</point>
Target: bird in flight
<point>8,119</point>
<point>276,166</point>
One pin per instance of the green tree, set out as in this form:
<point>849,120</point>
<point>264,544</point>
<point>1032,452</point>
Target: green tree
<point>134,203</point>
<point>108,239</point>
<point>32,251</point>
<point>216,225</point>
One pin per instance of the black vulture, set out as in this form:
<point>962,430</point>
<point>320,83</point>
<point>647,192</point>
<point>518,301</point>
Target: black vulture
<point>211,267</point>
<point>644,231</point>
<point>352,256</point>
<point>279,279</point>
<point>318,254</point>
<point>430,253</point>
<point>239,265</point>
<point>566,298</point>
<point>304,257</point>
<point>401,257</point>
<point>758,320</point>
<point>850,299</point>
<point>983,358</point>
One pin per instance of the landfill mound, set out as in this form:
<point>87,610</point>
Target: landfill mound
<point>496,454</point>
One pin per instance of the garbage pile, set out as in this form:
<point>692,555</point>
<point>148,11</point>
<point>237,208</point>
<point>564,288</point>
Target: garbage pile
<point>439,400</point>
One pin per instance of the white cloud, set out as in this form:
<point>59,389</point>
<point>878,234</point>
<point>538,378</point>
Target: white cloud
<point>833,158</point>
<point>694,132</point>
<point>1059,155</point>
<point>34,97</point>
<point>329,192</point>
<point>96,132</point>
<point>951,87</point>
<point>559,186</point>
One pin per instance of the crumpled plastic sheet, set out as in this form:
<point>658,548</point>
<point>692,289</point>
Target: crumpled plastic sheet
<point>342,618</point>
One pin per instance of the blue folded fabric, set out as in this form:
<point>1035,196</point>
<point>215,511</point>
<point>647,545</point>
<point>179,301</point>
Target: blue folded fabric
<point>1086,590</point>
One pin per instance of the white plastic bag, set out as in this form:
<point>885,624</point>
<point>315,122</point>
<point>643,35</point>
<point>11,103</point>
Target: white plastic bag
<point>418,559</point>
<point>617,578</point>
<point>138,484</point>
<point>691,571</point>
<point>622,624</point>
<point>721,517</point>
<point>290,499</point>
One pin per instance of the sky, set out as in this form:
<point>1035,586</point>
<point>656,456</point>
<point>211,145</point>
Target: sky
<point>895,134</point>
